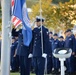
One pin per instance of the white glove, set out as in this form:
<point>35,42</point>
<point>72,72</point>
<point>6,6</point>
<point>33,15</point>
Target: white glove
<point>30,55</point>
<point>44,55</point>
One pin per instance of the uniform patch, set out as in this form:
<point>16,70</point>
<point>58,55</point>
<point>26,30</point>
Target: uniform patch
<point>47,32</point>
<point>70,39</point>
<point>56,43</point>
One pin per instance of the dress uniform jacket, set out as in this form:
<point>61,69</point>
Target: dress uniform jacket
<point>22,50</point>
<point>70,43</point>
<point>37,43</point>
<point>55,44</point>
<point>61,44</point>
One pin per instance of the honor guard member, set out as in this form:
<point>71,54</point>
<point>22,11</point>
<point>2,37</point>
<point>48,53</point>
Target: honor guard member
<point>23,52</point>
<point>39,55</point>
<point>70,43</point>
<point>13,59</point>
<point>49,57</point>
<point>61,42</point>
<point>75,51</point>
<point>16,56</point>
<point>15,33</point>
<point>55,44</point>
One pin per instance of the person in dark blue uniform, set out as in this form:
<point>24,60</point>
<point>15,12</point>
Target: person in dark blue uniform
<point>39,54</point>
<point>13,59</point>
<point>23,53</point>
<point>16,56</point>
<point>61,42</point>
<point>49,57</point>
<point>0,49</point>
<point>55,44</point>
<point>70,43</point>
<point>75,55</point>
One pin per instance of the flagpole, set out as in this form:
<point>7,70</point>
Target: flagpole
<point>41,27</point>
<point>6,36</point>
<point>45,70</point>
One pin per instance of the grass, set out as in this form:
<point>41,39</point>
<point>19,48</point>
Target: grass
<point>18,74</point>
<point>14,74</point>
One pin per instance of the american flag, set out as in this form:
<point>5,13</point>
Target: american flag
<point>21,15</point>
<point>15,20</point>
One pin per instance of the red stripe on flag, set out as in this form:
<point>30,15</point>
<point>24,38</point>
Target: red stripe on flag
<point>13,19</point>
<point>12,2</point>
<point>18,22</point>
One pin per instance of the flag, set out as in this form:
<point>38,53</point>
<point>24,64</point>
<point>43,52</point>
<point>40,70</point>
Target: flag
<point>15,20</point>
<point>20,11</point>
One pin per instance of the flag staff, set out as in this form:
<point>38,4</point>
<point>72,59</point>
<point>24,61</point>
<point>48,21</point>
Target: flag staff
<point>41,26</point>
<point>45,70</point>
<point>6,36</point>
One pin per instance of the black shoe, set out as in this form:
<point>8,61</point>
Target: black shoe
<point>72,73</point>
<point>12,71</point>
<point>55,72</point>
<point>66,73</point>
<point>69,73</point>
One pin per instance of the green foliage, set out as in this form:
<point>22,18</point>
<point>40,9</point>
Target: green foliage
<point>57,17</point>
<point>31,2</point>
<point>0,24</point>
<point>68,14</point>
<point>46,10</point>
<point>57,1</point>
<point>0,18</point>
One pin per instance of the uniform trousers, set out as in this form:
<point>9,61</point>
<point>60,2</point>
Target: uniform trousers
<point>25,63</point>
<point>49,64</point>
<point>55,62</point>
<point>70,64</point>
<point>39,64</point>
